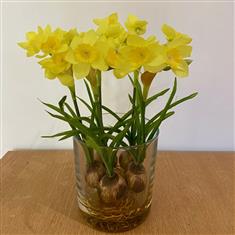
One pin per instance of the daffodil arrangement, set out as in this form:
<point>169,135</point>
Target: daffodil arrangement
<point>71,55</point>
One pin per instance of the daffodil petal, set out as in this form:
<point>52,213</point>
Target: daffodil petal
<point>90,37</point>
<point>70,57</point>
<point>184,51</point>
<point>49,74</point>
<point>118,73</point>
<point>168,31</point>
<point>66,79</point>
<point>136,41</point>
<point>100,64</point>
<point>81,70</point>
<point>181,70</point>
<point>74,43</point>
<point>154,69</point>
<point>63,48</point>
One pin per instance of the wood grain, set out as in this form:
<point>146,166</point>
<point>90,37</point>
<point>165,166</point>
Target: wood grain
<point>193,194</point>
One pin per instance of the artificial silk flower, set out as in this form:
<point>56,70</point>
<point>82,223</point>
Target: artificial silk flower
<point>87,52</point>
<point>135,26</point>
<point>172,34</point>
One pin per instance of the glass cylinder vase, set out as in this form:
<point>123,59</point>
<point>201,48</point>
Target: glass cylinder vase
<point>119,201</point>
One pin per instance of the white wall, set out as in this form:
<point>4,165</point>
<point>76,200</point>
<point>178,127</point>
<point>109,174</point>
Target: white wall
<point>205,123</point>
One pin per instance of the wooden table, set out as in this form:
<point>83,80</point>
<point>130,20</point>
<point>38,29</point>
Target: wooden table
<point>194,194</point>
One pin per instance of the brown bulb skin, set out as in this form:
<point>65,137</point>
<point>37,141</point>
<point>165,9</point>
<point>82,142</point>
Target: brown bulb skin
<point>136,177</point>
<point>94,173</point>
<point>112,188</point>
<point>124,159</point>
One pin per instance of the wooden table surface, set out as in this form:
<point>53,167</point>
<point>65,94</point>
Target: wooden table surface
<point>193,194</point>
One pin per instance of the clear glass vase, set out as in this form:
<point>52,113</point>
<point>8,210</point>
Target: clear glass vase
<point>119,202</point>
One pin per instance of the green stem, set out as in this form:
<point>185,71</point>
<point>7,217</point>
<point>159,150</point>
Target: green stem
<point>132,116</point>
<point>88,155</point>
<point>98,103</point>
<point>141,108</point>
<point>73,95</point>
<point>100,100</point>
<point>105,157</point>
<point>138,109</point>
<point>143,124</point>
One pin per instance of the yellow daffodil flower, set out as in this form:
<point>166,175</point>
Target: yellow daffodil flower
<point>35,40</point>
<point>46,41</point>
<point>177,50</point>
<point>114,47</point>
<point>69,53</point>
<point>137,53</point>
<point>68,36</point>
<point>135,26</point>
<point>109,26</point>
<point>54,43</point>
<point>66,78</point>
<point>176,59</point>
<point>87,52</point>
<point>172,34</point>
<point>112,57</point>
<point>56,66</point>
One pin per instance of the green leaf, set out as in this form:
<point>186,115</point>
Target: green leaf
<point>131,79</point>
<point>89,92</point>
<point>86,104</point>
<point>53,107</point>
<point>169,114</point>
<point>155,125</point>
<point>61,102</point>
<point>130,98</point>
<point>70,119</point>
<point>111,112</point>
<point>171,106</point>
<point>164,111</point>
<point>154,97</point>
<point>71,132</point>
<point>120,122</point>
<point>184,99</point>
<point>76,123</point>
<point>121,135</point>
<point>70,109</point>
<point>93,143</point>
<point>66,137</point>
<point>65,134</point>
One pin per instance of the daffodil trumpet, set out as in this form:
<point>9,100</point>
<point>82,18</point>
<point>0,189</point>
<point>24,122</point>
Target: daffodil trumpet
<point>71,56</point>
